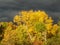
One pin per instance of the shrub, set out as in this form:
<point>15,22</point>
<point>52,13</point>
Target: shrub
<point>30,28</point>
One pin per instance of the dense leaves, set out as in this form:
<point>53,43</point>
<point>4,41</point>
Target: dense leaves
<point>29,28</point>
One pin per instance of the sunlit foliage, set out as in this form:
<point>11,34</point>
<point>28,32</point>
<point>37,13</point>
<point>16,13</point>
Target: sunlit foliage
<point>29,28</point>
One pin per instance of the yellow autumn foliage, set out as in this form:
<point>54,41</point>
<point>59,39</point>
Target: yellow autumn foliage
<point>31,17</point>
<point>17,18</point>
<point>27,27</point>
<point>54,29</point>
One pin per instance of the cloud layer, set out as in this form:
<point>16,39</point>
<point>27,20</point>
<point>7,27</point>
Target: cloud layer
<point>9,8</point>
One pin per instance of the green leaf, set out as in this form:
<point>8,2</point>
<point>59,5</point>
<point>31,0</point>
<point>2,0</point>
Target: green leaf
<point>40,27</point>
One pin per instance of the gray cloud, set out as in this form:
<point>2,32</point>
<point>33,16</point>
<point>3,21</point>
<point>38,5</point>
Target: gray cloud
<point>7,14</point>
<point>9,8</point>
<point>54,15</point>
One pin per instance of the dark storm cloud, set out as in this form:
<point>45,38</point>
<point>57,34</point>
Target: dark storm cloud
<point>9,8</point>
<point>49,5</point>
<point>7,15</point>
<point>54,15</point>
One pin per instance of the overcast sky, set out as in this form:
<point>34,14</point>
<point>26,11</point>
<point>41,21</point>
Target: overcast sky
<point>9,8</point>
